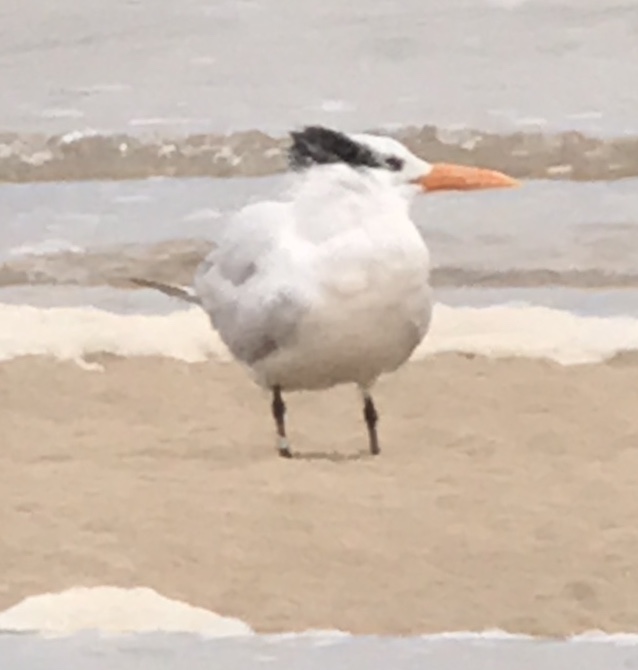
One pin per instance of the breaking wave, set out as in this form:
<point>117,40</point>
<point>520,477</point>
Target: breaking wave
<point>175,262</point>
<point>81,155</point>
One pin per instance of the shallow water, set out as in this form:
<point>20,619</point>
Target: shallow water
<point>569,249</point>
<point>544,234</point>
<point>266,64</point>
<point>176,83</point>
<point>174,651</point>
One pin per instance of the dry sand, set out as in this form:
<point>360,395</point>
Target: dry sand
<point>506,494</point>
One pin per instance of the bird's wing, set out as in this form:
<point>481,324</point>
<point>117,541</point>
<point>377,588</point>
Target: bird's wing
<point>244,285</point>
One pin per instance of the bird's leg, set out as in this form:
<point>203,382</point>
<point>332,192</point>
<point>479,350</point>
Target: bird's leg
<point>371,418</point>
<point>279,414</point>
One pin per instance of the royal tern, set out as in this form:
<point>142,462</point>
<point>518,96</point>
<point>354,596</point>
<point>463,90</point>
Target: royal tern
<point>331,285</point>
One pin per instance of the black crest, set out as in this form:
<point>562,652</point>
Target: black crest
<point>316,145</point>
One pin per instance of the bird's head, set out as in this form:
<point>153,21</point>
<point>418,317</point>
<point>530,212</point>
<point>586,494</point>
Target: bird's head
<point>316,145</point>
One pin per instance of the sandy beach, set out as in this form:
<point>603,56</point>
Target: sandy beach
<point>504,496</point>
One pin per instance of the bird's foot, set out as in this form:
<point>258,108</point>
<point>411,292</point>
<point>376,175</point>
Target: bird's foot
<point>284,448</point>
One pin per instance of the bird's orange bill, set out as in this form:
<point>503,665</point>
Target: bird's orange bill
<point>449,177</point>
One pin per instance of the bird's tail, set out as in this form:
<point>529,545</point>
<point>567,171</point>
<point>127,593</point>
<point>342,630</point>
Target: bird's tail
<point>180,292</point>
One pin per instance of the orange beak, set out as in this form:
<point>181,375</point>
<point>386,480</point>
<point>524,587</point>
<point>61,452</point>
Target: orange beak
<point>449,177</point>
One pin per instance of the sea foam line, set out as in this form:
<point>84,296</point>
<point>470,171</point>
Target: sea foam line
<point>72,333</point>
<point>116,611</point>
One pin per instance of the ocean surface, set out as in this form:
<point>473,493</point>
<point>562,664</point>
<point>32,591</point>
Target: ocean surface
<point>131,129</point>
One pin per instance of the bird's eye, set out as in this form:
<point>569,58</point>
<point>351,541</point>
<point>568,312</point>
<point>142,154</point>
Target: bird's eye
<point>395,164</point>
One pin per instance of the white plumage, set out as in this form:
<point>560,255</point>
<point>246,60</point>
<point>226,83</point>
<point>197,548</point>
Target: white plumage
<point>329,285</point>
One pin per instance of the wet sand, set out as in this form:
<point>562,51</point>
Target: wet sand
<point>505,495</point>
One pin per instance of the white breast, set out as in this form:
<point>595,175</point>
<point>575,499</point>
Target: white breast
<point>370,307</point>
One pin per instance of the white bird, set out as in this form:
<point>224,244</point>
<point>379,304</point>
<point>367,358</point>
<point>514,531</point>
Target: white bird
<point>331,285</point>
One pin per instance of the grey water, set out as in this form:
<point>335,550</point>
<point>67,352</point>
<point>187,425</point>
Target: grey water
<point>552,243</point>
<point>174,652</point>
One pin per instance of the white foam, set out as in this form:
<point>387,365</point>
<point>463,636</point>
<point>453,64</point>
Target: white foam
<point>319,636</point>
<point>497,635</point>
<point>500,331</point>
<point>490,634</point>
<point>531,332</point>
<point>110,610</point>
<point>77,135</point>
<point>330,637</point>
<point>119,611</point>
<point>47,246</point>
<point>70,333</point>
<point>37,158</point>
<point>114,610</point>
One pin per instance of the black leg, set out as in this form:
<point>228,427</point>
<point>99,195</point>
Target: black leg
<point>279,414</point>
<point>371,417</point>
